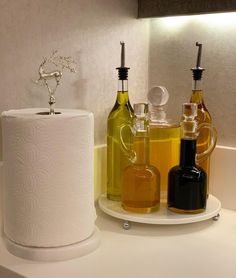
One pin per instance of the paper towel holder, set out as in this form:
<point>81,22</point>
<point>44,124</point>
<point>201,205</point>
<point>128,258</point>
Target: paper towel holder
<point>47,113</point>
<point>61,63</point>
<point>53,254</point>
<point>52,238</point>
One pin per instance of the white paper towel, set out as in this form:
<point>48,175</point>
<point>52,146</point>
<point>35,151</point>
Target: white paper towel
<point>48,166</point>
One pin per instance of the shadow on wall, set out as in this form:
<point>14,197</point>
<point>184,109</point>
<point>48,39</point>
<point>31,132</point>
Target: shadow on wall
<point>0,137</point>
<point>84,99</point>
<point>81,93</point>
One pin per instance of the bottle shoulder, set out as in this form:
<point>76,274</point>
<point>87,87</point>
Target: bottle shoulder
<point>204,115</point>
<point>143,170</point>
<point>159,132</point>
<point>164,125</point>
<point>122,102</point>
<point>188,171</point>
<point>121,110</point>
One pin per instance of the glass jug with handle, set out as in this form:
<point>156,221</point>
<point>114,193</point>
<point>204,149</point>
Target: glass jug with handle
<point>187,182</point>
<point>140,189</point>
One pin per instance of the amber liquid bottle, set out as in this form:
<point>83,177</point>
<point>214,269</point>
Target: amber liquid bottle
<point>121,113</point>
<point>203,115</point>
<point>164,137</point>
<point>141,181</point>
<point>187,183</point>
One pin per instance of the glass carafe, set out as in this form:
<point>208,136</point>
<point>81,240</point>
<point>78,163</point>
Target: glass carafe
<point>164,136</point>
<point>141,181</point>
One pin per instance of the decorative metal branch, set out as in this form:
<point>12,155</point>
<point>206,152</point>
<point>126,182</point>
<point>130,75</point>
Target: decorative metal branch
<point>61,64</point>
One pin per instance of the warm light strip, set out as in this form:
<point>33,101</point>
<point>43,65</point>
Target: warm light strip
<point>219,19</point>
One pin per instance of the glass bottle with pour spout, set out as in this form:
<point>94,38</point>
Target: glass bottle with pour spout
<point>164,136</point>
<point>121,113</point>
<point>187,182</point>
<point>141,181</point>
<point>203,115</point>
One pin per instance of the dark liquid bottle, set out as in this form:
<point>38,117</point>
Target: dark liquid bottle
<point>187,183</point>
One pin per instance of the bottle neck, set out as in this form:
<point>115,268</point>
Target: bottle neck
<point>157,114</point>
<point>197,85</point>
<point>122,93</point>
<point>122,85</point>
<point>197,92</point>
<point>187,152</point>
<point>141,148</point>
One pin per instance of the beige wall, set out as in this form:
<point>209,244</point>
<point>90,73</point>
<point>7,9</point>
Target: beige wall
<point>89,31</point>
<point>173,53</point>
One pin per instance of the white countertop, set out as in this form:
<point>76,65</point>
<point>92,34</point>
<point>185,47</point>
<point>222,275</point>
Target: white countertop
<point>200,250</point>
<point>206,249</point>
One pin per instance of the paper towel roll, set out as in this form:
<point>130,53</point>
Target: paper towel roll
<point>48,165</point>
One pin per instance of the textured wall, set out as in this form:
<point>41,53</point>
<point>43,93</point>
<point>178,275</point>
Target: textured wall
<point>90,31</point>
<point>173,53</point>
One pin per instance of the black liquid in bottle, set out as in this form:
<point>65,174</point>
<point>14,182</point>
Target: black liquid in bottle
<point>187,183</point>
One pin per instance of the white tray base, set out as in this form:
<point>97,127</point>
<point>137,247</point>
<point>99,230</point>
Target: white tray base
<point>163,216</point>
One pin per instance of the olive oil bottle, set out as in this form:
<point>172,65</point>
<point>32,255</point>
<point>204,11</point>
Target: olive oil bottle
<point>121,113</point>
<point>164,137</point>
<point>141,181</point>
<point>203,115</point>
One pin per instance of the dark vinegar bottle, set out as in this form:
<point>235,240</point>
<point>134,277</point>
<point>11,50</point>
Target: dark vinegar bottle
<point>187,183</point>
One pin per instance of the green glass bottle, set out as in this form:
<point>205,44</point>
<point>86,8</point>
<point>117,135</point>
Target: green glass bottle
<point>121,113</point>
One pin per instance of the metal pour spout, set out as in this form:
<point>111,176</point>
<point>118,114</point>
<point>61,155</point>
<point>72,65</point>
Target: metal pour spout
<point>122,70</point>
<point>122,64</point>
<point>199,54</point>
<point>197,71</point>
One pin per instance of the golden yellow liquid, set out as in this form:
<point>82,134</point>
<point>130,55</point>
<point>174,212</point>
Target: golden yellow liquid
<point>141,181</point>
<point>164,152</point>
<point>121,114</point>
<point>203,140</point>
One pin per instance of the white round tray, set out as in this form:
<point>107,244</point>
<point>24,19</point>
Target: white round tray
<point>163,216</point>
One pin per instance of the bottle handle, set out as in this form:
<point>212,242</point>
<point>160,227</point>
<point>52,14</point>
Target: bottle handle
<point>127,151</point>
<point>200,157</point>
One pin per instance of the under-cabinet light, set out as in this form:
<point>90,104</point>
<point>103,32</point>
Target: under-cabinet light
<point>164,8</point>
<point>219,19</point>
